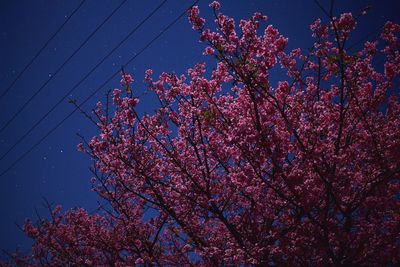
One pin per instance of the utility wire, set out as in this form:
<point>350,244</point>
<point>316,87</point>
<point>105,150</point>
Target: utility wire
<point>373,33</point>
<point>22,156</point>
<point>82,80</point>
<point>61,67</point>
<point>41,50</point>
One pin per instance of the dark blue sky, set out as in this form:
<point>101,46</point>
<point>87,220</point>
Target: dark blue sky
<point>55,170</point>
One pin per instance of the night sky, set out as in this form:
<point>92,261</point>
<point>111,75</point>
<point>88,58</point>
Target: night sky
<point>54,170</point>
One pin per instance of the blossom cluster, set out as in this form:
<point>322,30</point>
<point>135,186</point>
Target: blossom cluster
<point>234,170</point>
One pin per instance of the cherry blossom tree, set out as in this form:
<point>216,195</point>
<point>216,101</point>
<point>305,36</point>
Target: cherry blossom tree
<point>233,170</point>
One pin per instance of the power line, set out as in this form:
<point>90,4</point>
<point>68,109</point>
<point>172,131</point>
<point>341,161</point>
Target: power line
<point>41,50</point>
<point>82,80</point>
<point>61,66</point>
<point>22,156</point>
<point>374,32</point>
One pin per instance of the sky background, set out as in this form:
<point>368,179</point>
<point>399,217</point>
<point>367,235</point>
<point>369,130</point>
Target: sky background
<point>54,170</point>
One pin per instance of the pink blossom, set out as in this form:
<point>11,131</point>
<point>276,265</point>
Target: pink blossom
<point>215,5</point>
<point>195,19</point>
<point>208,51</point>
<point>126,80</point>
